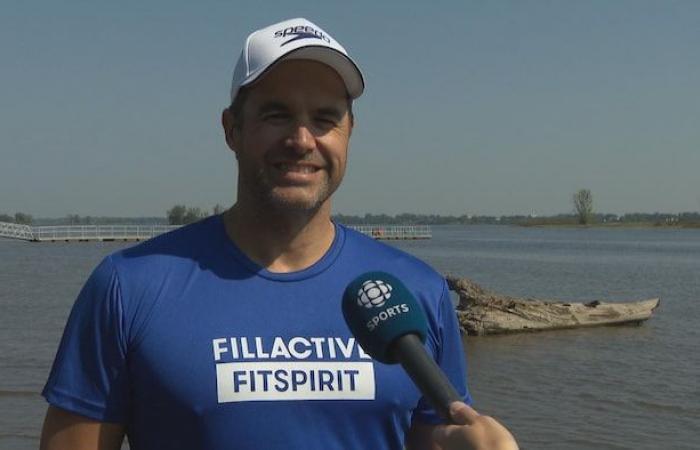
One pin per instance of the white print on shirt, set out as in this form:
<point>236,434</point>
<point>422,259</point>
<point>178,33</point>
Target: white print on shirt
<point>252,369</point>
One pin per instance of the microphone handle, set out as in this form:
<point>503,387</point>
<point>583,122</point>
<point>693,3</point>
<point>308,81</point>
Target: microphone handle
<point>408,350</point>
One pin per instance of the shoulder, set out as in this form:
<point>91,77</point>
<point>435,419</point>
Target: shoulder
<point>182,240</point>
<point>415,273</point>
<point>181,245</point>
<point>374,252</point>
<point>140,279</point>
<point>429,288</point>
<point>165,261</point>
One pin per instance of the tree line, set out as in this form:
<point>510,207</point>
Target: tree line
<point>76,219</point>
<point>585,215</point>
<point>582,213</point>
<point>177,215</point>
<point>19,218</point>
<point>182,214</point>
<point>686,218</point>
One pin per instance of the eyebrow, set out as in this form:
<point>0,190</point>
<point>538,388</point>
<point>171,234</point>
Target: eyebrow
<point>272,106</point>
<point>331,111</point>
<point>275,106</point>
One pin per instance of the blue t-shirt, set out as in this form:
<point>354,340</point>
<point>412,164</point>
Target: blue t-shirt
<point>191,345</point>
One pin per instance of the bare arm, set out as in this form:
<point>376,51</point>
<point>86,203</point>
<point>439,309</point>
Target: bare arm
<point>67,431</point>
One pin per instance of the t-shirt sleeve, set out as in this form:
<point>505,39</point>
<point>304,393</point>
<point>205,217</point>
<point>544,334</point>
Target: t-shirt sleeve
<point>449,356</point>
<point>89,376</point>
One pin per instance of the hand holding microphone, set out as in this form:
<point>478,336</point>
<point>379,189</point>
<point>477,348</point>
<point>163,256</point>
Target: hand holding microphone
<point>473,430</point>
<point>390,325</point>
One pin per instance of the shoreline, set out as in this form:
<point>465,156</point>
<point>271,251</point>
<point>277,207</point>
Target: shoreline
<point>632,225</point>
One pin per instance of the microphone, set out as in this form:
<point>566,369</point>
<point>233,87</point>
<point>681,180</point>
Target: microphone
<point>390,325</point>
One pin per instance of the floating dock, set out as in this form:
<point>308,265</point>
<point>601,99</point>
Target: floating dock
<point>395,232</point>
<point>89,233</point>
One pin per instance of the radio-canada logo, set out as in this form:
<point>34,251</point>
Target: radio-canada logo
<point>373,293</point>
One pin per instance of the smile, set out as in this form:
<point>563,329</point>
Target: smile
<point>296,168</point>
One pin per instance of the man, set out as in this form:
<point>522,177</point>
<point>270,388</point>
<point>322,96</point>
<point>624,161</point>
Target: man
<point>228,333</point>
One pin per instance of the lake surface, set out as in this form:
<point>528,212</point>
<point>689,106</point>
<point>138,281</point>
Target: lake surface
<point>602,388</point>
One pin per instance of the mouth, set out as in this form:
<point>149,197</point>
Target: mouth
<point>296,168</point>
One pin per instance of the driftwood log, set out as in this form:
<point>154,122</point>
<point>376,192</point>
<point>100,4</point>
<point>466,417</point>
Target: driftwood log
<point>482,312</point>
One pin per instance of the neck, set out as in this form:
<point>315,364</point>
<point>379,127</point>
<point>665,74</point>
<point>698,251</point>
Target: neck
<point>280,241</point>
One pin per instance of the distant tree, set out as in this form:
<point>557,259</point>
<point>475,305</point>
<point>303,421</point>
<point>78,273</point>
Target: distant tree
<point>192,215</point>
<point>6,218</point>
<point>218,209</point>
<point>73,219</point>
<point>583,206</point>
<point>24,219</point>
<point>176,215</point>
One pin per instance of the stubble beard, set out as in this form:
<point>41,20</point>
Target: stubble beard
<point>273,197</point>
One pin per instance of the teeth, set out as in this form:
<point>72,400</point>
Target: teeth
<point>296,168</point>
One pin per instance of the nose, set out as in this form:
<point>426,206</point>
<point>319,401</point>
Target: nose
<point>301,138</point>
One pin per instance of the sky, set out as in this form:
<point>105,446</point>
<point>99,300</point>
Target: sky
<point>471,107</point>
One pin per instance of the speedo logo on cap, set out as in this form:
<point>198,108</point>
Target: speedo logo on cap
<point>301,32</point>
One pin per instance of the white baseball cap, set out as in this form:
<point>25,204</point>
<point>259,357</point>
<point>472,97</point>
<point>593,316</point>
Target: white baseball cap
<point>294,39</point>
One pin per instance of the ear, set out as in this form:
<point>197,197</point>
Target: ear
<point>231,131</point>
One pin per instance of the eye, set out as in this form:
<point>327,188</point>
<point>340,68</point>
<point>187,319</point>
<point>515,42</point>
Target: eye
<point>276,117</point>
<point>326,121</point>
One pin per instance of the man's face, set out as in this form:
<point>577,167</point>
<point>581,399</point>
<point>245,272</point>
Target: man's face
<point>292,143</point>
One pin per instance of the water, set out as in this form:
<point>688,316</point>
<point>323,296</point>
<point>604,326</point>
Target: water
<point>604,388</point>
